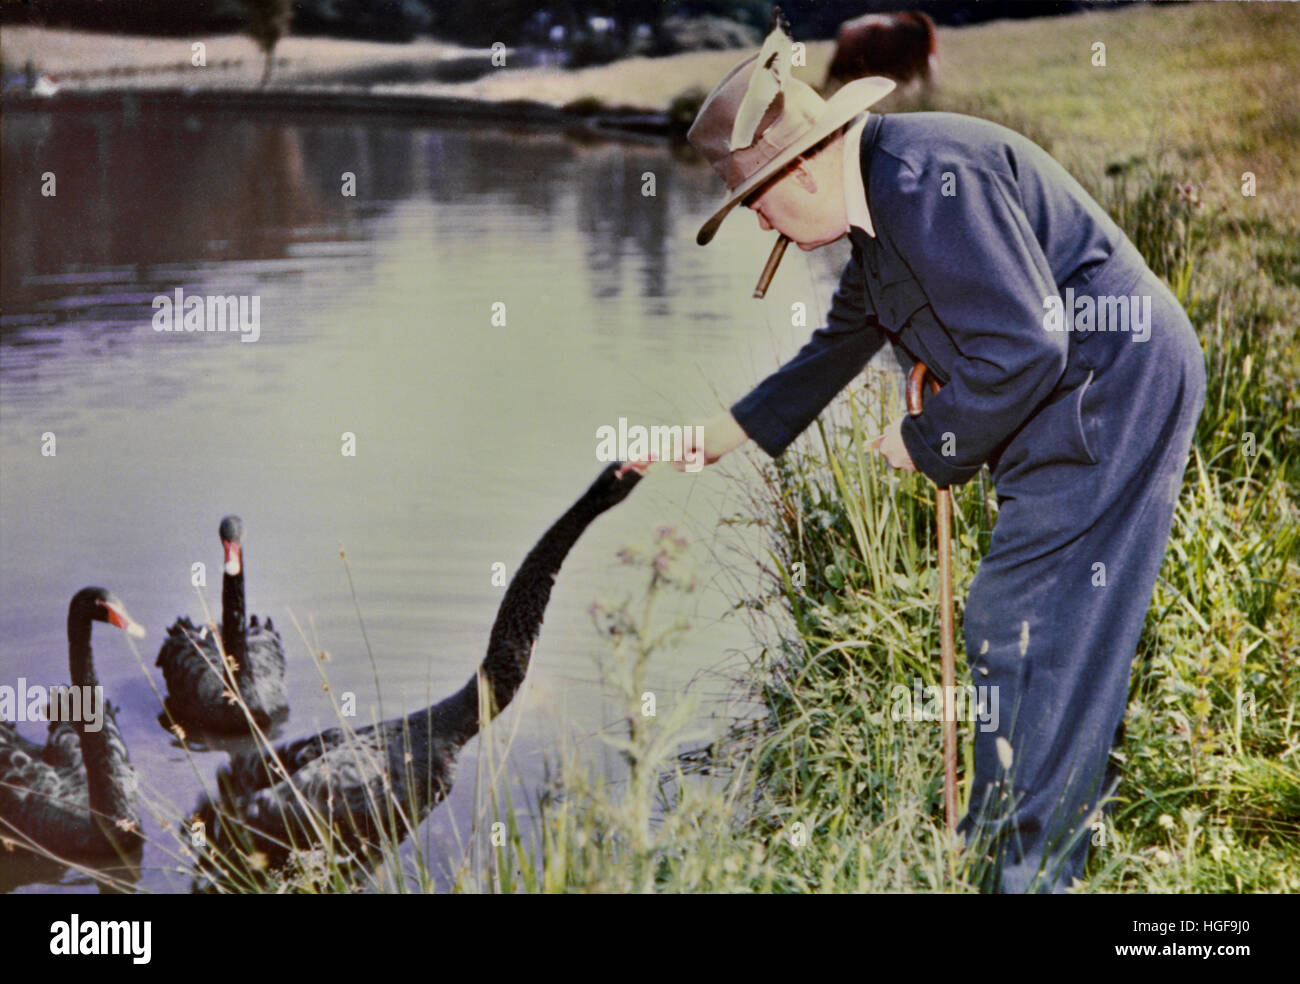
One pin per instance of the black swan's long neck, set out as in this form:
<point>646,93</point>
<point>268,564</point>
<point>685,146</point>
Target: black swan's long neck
<point>104,759</point>
<point>234,621</point>
<point>517,625</point>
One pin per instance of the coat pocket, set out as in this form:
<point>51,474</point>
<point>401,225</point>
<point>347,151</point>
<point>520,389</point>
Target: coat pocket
<point>1060,433</point>
<point>1066,426</point>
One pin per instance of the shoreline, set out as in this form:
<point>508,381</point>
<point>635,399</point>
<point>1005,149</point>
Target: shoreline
<point>635,97</point>
<point>606,122</point>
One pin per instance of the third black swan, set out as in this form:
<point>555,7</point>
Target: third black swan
<point>402,767</point>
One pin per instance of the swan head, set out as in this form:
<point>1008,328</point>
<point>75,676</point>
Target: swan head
<point>231,532</point>
<point>612,486</point>
<point>101,605</point>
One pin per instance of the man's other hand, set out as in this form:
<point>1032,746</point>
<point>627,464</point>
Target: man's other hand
<point>890,445</point>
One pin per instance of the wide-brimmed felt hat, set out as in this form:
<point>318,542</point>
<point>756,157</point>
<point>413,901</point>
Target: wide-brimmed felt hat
<point>759,118</point>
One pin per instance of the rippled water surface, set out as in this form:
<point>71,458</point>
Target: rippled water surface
<point>376,320</point>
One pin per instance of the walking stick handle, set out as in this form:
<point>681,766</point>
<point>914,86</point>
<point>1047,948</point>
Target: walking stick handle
<point>916,387</point>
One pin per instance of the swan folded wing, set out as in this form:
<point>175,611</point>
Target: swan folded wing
<point>21,766</point>
<point>265,687</point>
<point>262,624</point>
<point>266,647</point>
<point>178,633</point>
<point>11,740</point>
<point>252,771</point>
<point>63,746</point>
<point>191,666</point>
<point>49,805</point>
<point>346,787</point>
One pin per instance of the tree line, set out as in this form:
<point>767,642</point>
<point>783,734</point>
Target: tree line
<point>483,22</point>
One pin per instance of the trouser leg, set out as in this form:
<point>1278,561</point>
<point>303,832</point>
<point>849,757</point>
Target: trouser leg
<point>1053,618</point>
<point>1057,651</point>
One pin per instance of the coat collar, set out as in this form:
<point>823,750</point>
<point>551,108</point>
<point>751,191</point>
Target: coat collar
<point>861,137</point>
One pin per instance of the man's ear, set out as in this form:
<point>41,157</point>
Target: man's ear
<point>803,174</point>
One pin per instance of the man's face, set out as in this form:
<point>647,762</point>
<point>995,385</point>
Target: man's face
<point>806,204</point>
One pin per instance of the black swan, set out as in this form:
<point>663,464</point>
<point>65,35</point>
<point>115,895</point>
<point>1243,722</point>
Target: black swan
<point>74,796</point>
<point>197,689</point>
<point>391,775</point>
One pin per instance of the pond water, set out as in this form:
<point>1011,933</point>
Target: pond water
<point>376,320</point>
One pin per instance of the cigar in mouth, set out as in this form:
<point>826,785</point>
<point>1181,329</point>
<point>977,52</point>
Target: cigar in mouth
<point>773,261</point>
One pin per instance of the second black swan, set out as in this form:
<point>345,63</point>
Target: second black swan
<point>199,693</point>
<point>393,774</point>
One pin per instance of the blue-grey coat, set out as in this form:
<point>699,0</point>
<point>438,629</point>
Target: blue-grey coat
<point>984,247</point>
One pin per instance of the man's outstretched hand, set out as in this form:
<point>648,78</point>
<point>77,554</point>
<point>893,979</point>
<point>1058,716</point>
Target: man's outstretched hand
<point>720,435</point>
<point>890,445</point>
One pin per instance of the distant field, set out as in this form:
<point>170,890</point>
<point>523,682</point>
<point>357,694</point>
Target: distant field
<point>1211,85</point>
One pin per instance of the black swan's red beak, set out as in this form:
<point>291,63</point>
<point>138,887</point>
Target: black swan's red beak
<point>117,616</point>
<point>233,557</point>
<point>640,467</point>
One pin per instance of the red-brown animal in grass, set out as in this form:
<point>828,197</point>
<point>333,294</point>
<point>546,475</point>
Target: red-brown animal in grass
<point>898,46</point>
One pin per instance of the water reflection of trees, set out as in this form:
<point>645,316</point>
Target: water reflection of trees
<point>619,218</point>
<point>152,188</point>
<point>163,186</point>
<point>536,173</point>
<point>524,169</point>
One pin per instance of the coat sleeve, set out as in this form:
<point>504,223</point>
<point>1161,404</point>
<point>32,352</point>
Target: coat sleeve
<point>987,280</point>
<point>776,411</point>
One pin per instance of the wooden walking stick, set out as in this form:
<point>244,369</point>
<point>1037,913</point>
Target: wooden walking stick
<point>943,509</point>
